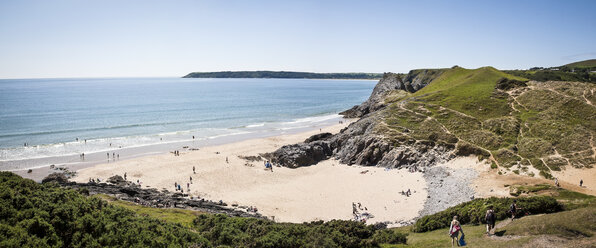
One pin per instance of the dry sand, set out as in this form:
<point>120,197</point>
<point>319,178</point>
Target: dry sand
<point>323,191</point>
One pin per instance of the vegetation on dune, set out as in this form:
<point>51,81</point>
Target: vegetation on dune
<point>473,212</point>
<point>283,74</point>
<point>44,215</point>
<point>486,112</point>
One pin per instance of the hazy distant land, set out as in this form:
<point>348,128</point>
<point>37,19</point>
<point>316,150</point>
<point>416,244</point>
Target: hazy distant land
<point>283,74</point>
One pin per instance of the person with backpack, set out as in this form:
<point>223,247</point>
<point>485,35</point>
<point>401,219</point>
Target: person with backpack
<point>490,219</point>
<point>454,230</point>
<point>513,209</point>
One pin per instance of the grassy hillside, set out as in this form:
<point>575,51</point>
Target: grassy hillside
<point>582,71</point>
<point>590,63</point>
<point>45,215</point>
<point>523,127</point>
<point>572,227</point>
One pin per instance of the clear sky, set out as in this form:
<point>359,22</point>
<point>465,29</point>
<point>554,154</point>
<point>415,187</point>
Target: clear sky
<point>145,38</point>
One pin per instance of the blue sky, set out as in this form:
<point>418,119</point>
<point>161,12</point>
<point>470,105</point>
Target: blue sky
<point>171,38</point>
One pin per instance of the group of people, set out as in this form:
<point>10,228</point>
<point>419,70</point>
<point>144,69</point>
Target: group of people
<point>176,153</point>
<point>360,216</point>
<point>114,155</point>
<point>490,217</point>
<point>252,209</point>
<point>406,193</point>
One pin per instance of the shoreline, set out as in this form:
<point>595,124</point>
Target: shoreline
<point>74,162</point>
<point>323,191</point>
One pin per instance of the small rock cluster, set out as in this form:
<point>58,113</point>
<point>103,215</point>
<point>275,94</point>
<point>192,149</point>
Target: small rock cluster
<point>129,191</point>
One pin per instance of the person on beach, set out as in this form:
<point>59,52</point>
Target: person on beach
<point>557,182</point>
<point>190,179</point>
<point>124,175</point>
<point>108,155</point>
<point>193,170</point>
<point>176,186</point>
<point>188,186</point>
<point>227,162</point>
<point>490,219</point>
<point>118,156</point>
<point>581,182</point>
<point>454,230</point>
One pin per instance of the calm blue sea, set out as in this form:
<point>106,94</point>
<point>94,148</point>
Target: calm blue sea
<point>51,114</point>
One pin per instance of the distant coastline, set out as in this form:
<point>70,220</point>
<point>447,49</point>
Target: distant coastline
<point>283,74</point>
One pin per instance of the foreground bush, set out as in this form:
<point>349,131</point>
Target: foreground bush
<point>45,215</point>
<point>250,232</point>
<point>473,212</point>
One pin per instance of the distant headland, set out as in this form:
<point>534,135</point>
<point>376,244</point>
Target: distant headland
<point>283,74</point>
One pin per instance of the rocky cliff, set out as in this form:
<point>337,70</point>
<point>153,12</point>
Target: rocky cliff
<point>361,143</point>
<point>411,82</point>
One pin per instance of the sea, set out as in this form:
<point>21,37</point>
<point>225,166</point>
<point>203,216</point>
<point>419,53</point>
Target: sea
<point>55,121</point>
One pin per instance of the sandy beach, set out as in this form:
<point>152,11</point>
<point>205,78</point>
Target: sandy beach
<point>323,191</point>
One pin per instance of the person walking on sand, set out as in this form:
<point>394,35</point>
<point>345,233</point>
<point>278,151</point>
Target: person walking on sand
<point>124,175</point>
<point>454,230</point>
<point>581,182</point>
<point>190,179</point>
<point>227,160</point>
<point>490,219</point>
<point>193,170</point>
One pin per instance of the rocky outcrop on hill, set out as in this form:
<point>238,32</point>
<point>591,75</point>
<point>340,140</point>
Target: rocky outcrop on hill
<point>411,82</point>
<point>128,191</point>
<point>360,144</point>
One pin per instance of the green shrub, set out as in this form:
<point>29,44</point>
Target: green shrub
<point>43,215</point>
<point>388,236</point>
<point>473,212</point>
<point>251,232</point>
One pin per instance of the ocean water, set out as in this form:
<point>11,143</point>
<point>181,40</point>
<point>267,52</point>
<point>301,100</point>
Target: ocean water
<point>147,114</point>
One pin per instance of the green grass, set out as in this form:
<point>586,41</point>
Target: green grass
<point>475,237</point>
<point>469,91</point>
<point>569,224</point>
<point>574,226</point>
<point>180,216</point>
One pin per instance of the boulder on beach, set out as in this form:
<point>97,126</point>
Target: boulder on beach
<point>55,177</point>
<point>116,179</point>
